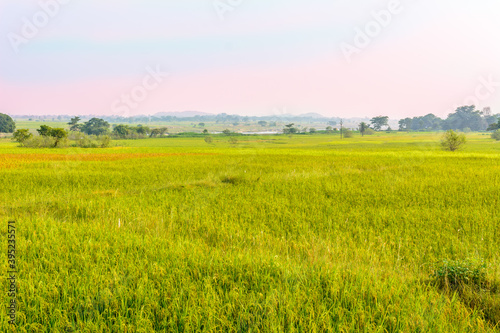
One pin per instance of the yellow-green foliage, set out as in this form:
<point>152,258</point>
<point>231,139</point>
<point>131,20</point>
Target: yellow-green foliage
<point>274,234</point>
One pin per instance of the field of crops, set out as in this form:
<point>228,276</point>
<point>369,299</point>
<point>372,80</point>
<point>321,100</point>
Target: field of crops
<point>269,234</point>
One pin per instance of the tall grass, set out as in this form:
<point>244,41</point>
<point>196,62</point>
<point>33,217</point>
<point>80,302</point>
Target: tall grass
<point>271,234</point>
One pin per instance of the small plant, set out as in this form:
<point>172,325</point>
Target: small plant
<point>452,141</point>
<point>233,140</point>
<point>208,139</point>
<point>496,135</point>
<point>458,273</point>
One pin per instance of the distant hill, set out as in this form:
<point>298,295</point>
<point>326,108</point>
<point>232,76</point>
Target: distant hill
<point>312,115</point>
<point>183,114</point>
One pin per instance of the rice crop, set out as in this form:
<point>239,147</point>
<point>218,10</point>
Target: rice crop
<point>307,233</point>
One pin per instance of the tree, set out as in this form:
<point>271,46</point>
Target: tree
<point>363,127</point>
<point>74,126</point>
<point>22,135</point>
<point>58,134</point>
<point>494,126</point>
<point>121,131</point>
<point>405,124</point>
<point>7,124</point>
<point>312,130</point>
<point>466,116</point>
<point>496,135</point>
<point>44,130</point>
<point>95,126</point>
<point>208,139</point>
<point>289,129</point>
<point>262,123</point>
<point>143,130</point>
<point>378,122</point>
<point>205,131</point>
<point>201,124</point>
<point>452,141</point>
<point>226,132</point>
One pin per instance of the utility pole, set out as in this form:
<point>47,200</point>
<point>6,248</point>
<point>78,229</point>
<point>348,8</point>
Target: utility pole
<point>341,128</point>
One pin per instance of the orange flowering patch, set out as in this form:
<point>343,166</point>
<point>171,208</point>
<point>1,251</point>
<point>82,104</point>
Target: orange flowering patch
<point>13,160</point>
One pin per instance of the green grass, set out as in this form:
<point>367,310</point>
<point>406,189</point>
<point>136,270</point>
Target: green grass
<point>273,234</point>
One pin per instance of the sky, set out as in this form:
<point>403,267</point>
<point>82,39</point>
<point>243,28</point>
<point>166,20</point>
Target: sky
<point>339,58</point>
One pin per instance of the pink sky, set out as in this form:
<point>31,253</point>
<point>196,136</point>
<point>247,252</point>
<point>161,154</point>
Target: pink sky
<point>263,57</point>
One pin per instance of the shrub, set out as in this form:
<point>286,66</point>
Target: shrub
<point>208,139</point>
<point>105,141</point>
<point>369,131</point>
<point>457,273</point>
<point>452,141</point>
<point>348,133</point>
<point>41,141</point>
<point>496,135</point>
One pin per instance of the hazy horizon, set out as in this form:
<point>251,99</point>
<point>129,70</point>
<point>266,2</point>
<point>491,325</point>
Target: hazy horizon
<point>338,59</point>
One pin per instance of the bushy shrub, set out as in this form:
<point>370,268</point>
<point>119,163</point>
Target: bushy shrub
<point>369,131</point>
<point>452,141</point>
<point>496,135</point>
<point>41,141</point>
<point>347,133</point>
<point>90,141</point>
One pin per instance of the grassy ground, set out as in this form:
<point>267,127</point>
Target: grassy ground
<point>271,234</point>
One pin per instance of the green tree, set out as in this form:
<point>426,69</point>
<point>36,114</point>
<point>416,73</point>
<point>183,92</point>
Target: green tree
<point>466,116</point>
<point>44,130</point>
<point>227,132</point>
<point>290,129</point>
<point>121,131</point>
<point>143,130</point>
<point>58,134</point>
<point>405,124</point>
<point>378,122</point>
<point>74,126</point>
<point>95,126</point>
<point>22,135</point>
<point>205,131</point>
<point>7,124</point>
<point>496,135</point>
<point>262,123</point>
<point>452,141</point>
<point>494,126</point>
<point>363,127</point>
<point>312,130</point>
